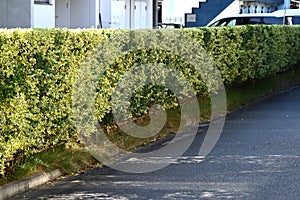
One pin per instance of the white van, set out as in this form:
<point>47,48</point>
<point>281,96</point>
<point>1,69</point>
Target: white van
<point>283,17</point>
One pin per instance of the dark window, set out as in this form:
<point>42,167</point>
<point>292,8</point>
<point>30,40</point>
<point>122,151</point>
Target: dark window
<point>296,20</point>
<point>218,23</point>
<point>273,20</point>
<point>225,22</point>
<point>42,1</point>
<point>272,1</point>
<point>248,20</point>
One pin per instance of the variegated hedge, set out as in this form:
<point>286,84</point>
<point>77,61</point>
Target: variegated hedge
<point>38,68</point>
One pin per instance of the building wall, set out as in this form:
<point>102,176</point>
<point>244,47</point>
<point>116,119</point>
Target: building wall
<point>77,13</point>
<point>94,13</point>
<point>16,13</point>
<point>174,10</point>
<point>131,14</point>
<point>84,13</point>
<point>80,13</point>
<point>263,6</point>
<point>44,16</point>
<point>119,17</point>
<point>149,14</point>
<point>286,5</point>
<point>105,11</point>
<point>234,7</point>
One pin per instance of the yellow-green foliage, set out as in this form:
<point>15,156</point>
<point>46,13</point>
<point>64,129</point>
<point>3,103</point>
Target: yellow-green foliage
<point>250,52</point>
<point>38,69</point>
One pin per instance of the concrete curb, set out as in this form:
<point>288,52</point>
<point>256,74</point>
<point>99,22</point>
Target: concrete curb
<point>26,184</point>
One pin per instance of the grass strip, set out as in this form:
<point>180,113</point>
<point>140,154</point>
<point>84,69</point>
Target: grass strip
<point>73,157</point>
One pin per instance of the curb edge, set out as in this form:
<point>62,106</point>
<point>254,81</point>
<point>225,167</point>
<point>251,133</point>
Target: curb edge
<point>23,185</point>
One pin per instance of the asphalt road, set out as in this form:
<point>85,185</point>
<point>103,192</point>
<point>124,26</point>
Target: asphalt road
<point>257,157</point>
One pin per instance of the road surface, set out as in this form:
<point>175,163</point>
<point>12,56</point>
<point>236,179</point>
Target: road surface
<point>257,157</point>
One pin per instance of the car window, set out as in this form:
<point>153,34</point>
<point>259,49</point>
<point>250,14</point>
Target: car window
<point>215,23</point>
<point>221,22</point>
<point>231,22</point>
<point>248,20</point>
<point>273,20</point>
<point>169,26</point>
<point>255,20</point>
<point>296,20</point>
<point>234,21</point>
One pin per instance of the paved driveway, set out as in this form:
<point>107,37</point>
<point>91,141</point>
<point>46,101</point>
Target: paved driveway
<point>257,157</point>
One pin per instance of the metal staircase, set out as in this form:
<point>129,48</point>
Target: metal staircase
<point>206,12</point>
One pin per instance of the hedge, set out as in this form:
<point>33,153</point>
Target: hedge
<point>38,68</point>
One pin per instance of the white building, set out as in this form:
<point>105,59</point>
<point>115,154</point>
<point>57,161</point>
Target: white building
<point>174,10</point>
<point>133,14</point>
